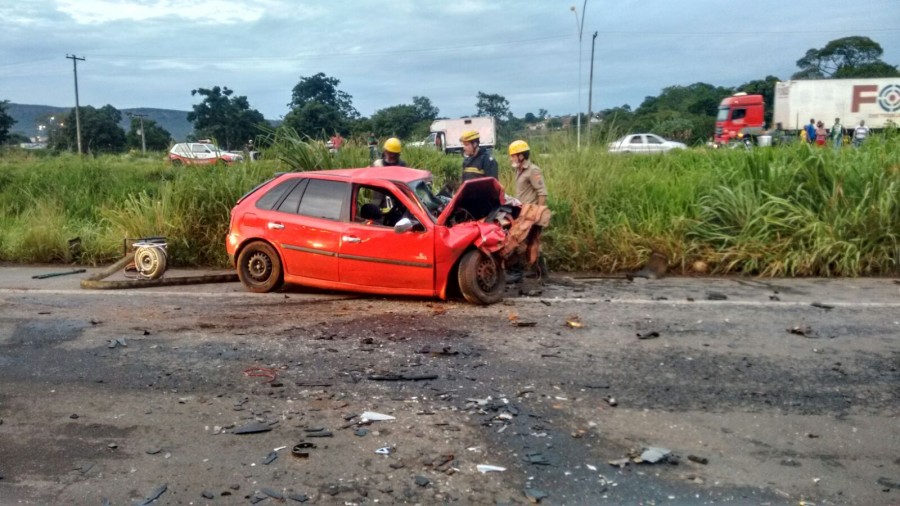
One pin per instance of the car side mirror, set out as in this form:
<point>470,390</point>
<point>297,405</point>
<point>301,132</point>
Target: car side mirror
<point>405,225</point>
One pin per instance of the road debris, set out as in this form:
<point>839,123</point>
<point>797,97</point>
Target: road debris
<point>488,468</point>
<point>574,322</point>
<point>804,330</point>
<point>889,483</point>
<point>821,305</point>
<point>261,372</point>
<point>270,458</point>
<point>611,401</point>
<point>55,274</point>
<point>716,296</point>
<point>698,460</point>
<point>206,494</point>
<point>272,493</point>
<point>253,428</point>
<point>422,481</point>
<point>535,495</point>
<point>402,377</point>
<point>648,335</point>
<point>298,497</point>
<point>537,458</point>
<point>371,416</point>
<point>117,342</point>
<point>654,454</point>
<point>385,450</point>
<point>157,492</point>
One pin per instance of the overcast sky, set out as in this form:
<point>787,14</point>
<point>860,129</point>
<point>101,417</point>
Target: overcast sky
<point>152,53</point>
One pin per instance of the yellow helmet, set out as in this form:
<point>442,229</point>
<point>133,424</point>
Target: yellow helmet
<point>392,145</point>
<point>518,147</point>
<point>469,135</point>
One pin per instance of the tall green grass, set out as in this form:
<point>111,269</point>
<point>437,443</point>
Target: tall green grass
<point>794,210</point>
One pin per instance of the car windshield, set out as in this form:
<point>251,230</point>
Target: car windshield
<point>424,193</point>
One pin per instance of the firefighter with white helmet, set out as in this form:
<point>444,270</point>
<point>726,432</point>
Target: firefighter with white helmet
<point>390,157</point>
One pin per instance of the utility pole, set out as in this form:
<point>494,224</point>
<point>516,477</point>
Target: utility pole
<point>579,24</point>
<point>143,139</point>
<point>75,60</point>
<point>591,88</point>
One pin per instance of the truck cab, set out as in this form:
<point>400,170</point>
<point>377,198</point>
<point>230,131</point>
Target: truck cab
<point>740,116</point>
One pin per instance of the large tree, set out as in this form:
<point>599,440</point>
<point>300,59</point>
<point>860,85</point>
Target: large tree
<point>405,120</point>
<point>6,122</point>
<point>157,137</point>
<point>845,57</point>
<point>492,105</point>
<point>100,130</point>
<point>227,119</point>
<point>319,108</point>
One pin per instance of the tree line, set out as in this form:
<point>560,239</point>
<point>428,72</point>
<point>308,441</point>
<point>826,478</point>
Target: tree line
<point>319,108</point>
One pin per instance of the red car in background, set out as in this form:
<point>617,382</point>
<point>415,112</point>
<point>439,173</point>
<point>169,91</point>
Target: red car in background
<point>374,230</point>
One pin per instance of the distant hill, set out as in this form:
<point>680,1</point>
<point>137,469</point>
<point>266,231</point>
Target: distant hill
<point>28,117</point>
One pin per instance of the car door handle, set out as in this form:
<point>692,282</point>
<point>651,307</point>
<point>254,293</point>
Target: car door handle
<point>274,226</point>
<point>351,238</point>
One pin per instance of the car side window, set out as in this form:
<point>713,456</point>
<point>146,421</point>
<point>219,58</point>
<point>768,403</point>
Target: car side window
<point>738,114</point>
<point>291,203</point>
<point>652,139</point>
<point>636,139</point>
<point>377,206</point>
<point>323,199</point>
<point>271,198</point>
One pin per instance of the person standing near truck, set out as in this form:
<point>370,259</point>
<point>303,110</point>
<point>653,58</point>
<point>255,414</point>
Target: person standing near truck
<point>477,162</point>
<point>837,134</point>
<point>372,142</point>
<point>811,131</point>
<point>860,133</point>
<point>821,134</point>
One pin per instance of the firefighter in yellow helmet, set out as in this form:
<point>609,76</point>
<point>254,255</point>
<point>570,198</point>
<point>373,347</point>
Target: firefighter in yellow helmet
<point>390,157</point>
<point>530,189</point>
<point>478,162</point>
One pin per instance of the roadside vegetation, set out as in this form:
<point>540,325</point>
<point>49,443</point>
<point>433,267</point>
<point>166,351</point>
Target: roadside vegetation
<point>792,210</point>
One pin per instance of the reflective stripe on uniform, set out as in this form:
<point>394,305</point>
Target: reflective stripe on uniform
<point>473,170</point>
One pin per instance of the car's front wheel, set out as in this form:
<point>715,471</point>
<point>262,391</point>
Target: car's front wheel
<point>481,278</point>
<point>259,268</point>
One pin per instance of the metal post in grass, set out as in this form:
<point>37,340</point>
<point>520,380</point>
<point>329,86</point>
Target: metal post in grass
<point>143,138</point>
<point>591,89</point>
<point>579,24</point>
<point>75,60</point>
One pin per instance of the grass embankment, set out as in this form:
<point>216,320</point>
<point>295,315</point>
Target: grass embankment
<point>784,211</point>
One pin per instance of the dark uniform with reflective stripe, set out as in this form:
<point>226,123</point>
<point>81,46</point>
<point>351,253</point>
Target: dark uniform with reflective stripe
<point>481,164</point>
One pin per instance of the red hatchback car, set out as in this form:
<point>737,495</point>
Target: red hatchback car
<point>374,230</point>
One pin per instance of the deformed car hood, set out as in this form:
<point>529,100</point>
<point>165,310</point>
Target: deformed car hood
<point>478,196</point>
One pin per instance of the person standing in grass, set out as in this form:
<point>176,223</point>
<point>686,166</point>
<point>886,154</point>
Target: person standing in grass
<point>530,189</point>
<point>811,131</point>
<point>837,134</point>
<point>821,134</point>
<point>860,133</point>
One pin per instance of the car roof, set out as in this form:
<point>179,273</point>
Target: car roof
<point>399,174</point>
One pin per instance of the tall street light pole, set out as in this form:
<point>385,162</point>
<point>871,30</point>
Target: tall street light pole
<point>579,24</point>
<point>75,61</point>
<point>591,88</point>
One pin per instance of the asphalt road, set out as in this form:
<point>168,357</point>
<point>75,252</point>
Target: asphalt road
<point>760,396</point>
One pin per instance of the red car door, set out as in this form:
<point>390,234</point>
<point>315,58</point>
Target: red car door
<point>308,228</point>
<point>372,254</point>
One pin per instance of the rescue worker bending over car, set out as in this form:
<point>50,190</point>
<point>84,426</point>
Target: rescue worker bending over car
<point>478,162</point>
<point>390,157</point>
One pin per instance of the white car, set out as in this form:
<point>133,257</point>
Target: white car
<point>201,153</point>
<point>643,143</point>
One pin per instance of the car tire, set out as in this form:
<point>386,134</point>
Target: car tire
<point>259,268</point>
<point>176,162</point>
<point>481,278</point>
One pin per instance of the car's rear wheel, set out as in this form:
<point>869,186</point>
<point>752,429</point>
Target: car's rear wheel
<point>259,268</point>
<point>481,278</point>
<point>176,162</point>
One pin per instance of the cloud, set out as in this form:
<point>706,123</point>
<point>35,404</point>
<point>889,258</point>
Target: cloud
<point>204,12</point>
<point>467,7</point>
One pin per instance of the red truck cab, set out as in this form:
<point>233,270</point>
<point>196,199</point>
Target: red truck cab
<point>739,115</point>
